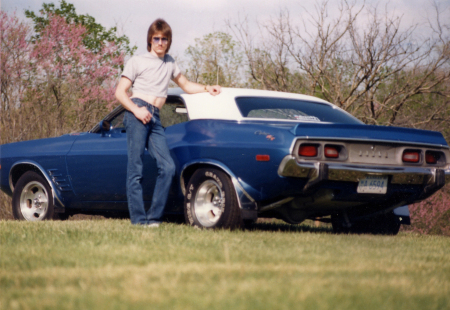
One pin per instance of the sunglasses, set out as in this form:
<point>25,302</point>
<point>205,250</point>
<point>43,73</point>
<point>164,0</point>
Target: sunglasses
<point>157,39</point>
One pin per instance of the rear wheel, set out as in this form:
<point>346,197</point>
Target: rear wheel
<point>32,198</point>
<point>385,224</point>
<point>339,224</point>
<point>211,201</point>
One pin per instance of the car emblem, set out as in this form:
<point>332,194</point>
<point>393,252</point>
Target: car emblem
<point>268,136</point>
<point>373,153</point>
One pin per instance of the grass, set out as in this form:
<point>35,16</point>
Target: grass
<point>110,264</point>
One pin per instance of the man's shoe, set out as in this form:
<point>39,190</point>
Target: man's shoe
<point>153,225</point>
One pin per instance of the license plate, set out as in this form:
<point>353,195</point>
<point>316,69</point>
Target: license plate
<point>373,184</point>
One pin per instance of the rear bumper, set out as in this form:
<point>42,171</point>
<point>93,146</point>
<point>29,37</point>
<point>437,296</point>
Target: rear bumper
<point>431,178</point>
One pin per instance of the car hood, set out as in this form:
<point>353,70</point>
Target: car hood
<point>40,147</point>
<point>369,132</point>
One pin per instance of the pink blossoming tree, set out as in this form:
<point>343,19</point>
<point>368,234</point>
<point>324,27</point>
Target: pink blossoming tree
<point>73,83</point>
<point>15,72</point>
<point>53,84</point>
<point>432,216</point>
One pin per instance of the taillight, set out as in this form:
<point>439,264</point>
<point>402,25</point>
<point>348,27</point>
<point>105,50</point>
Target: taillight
<point>411,156</point>
<point>432,157</point>
<point>308,150</point>
<point>331,152</point>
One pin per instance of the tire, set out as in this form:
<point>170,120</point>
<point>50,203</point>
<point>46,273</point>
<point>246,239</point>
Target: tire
<point>386,224</point>
<point>338,224</point>
<point>32,198</point>
<point>248,224</point>
<point>211,201</point>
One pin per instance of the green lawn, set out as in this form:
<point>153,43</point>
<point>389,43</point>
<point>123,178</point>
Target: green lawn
<point>110,264</point>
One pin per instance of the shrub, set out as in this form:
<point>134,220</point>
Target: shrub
<point>431,216</point>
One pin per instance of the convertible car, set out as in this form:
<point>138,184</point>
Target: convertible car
<point>241,155</point>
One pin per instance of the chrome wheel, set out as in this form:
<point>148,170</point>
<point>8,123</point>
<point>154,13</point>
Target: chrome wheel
<point>33,201</point>
<point>211,200</point>
<point>209,203</point>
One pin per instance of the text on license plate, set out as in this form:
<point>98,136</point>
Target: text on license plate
<point>373,184</point>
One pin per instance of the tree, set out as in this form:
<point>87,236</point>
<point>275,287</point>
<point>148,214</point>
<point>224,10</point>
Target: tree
<point>15,72</point>
<point>268,61</point>
<point>53,84</point>
<point>96,35</point>
<point>368,64</point>
<point>215,59</point>
<point>365,62</point>
<point>73,84</point>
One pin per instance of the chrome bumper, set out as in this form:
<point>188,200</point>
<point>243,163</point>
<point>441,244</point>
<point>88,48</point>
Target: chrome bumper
<point>316,171</point>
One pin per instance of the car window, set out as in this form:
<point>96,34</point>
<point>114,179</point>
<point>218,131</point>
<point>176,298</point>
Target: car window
<point>117,121</point>
<point>291,109</point>
<point>173,113</point>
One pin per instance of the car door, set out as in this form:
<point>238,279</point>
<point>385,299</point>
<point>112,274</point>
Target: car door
<point>97,165</point>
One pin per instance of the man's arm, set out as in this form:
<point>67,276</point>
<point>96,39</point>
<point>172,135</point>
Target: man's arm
<point>193,88</point>
<point>141,113</point>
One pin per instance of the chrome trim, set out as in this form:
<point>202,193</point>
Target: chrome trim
<point>112,114</point>
<point>292,147</point>
<point>241,193</point>
<point>275,204</point>
<point>289,167</point>
<point>32,163</point>
<point>447,176</point>
<point>403,143</point>
<point>202,162</point>
<point>172,94</point>
<point>237,186</point>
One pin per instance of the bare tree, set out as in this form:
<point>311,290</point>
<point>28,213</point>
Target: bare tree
<point>215,59</point>
<point>365,62</point>
<point>268,59</point>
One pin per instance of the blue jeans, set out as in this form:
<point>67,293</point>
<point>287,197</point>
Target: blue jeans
<point>152,136</point>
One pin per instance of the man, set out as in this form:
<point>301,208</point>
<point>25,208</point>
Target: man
<point>149,76</point>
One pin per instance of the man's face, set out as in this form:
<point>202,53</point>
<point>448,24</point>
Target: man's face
<point>159,44</point>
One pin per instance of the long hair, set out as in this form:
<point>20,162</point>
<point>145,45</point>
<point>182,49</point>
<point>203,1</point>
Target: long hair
<point>159,25</point>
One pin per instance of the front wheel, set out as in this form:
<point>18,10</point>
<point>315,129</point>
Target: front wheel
<point>211,201</point>
<point>32,198</point>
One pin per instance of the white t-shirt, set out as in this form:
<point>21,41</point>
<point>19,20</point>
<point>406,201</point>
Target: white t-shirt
<point>150,74</point>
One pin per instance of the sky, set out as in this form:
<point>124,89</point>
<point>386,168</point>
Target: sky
<point>192,19</point>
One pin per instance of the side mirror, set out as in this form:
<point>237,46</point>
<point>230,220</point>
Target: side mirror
<point>105,126</point>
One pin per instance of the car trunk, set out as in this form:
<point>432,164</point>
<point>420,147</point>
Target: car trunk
<point>368,132</point>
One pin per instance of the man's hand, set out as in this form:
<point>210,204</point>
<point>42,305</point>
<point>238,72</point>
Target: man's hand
<point>142,114</point>
<point>195,88</point>
<point>214,90</point>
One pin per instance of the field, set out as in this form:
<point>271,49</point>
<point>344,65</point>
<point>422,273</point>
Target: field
<point>110,264</point>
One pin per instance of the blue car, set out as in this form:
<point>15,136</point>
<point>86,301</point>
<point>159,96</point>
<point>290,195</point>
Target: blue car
<point>241,155</point>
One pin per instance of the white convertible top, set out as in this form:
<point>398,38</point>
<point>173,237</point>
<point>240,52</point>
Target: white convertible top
<point>223,106</point>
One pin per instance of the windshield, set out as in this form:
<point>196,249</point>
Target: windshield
<point>290,109</point>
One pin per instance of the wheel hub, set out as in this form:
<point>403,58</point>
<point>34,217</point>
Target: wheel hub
<point>209,203</point>
<point>34,201</point>
<point>37,202</point>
